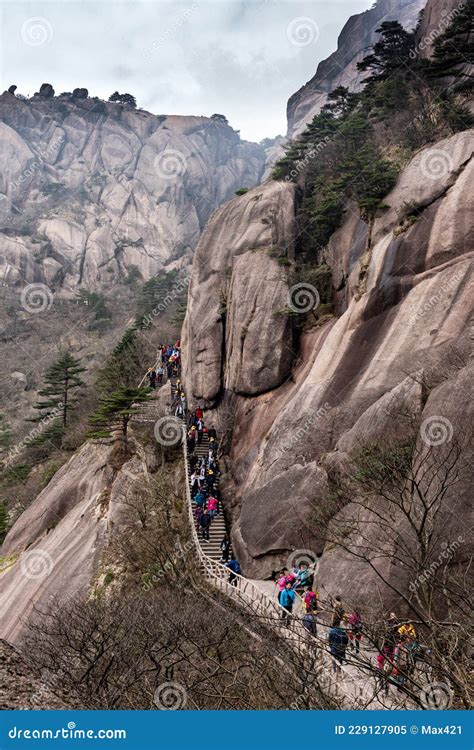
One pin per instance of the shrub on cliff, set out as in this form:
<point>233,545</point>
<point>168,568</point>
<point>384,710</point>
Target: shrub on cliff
<point>123,99</point>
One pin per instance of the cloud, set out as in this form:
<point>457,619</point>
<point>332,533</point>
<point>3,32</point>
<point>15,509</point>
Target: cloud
<point>176,56</point>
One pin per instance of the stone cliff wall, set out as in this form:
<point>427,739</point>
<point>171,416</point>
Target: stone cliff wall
<point>89,189</point>
<point>339,69</point>
<point>402,310</point>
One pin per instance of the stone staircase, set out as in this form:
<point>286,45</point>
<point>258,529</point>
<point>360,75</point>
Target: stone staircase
<point>218,528</point>
<point>353,687</point>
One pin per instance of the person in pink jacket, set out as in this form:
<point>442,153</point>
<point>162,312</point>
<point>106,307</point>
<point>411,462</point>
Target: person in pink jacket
<point>212,506</point>
<point>284,578</point>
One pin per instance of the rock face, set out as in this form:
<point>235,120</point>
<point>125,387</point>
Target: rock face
<point>91,188</point>
<point>55,546</point>
<point>339,69</point>
<point>437,15</point>
<point>236,336</point>
<point>403,313</point>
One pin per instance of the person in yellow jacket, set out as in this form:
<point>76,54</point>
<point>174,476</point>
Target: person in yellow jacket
<point>407,631</point>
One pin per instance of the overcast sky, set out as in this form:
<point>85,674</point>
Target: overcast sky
<point>242,58</point>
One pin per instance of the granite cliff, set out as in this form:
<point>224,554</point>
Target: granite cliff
<point>91,188</point>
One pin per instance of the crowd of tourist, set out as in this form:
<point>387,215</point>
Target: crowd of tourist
<point>398,649</point>
<point>204,468</point>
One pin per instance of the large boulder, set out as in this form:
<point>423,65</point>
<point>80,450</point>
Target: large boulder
<point>236,334</point>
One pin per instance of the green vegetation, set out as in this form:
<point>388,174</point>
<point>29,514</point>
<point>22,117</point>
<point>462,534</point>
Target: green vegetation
<point>115,412</point>
<point>391,53</point>
<point>160,291</point>
<point>133,276</point>
<point>61,378</point>
<point>344,158</point>
<point>96,305</point>
<point>123,99</point>
<point>3,521</point>
<point>14,475</point>
<point>453,50</point>
<point>5,433</point>
<point>241,191</point>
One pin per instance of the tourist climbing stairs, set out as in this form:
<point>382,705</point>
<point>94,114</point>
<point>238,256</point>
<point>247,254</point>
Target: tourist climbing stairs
<point>350,687</point>
<point>212,548</point>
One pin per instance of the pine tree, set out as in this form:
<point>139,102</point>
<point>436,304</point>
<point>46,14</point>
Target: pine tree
<point>57,401</point>
<point>390,53</point>
<point>453,51</point>
<point>115,411</point>
<point>123,99</point>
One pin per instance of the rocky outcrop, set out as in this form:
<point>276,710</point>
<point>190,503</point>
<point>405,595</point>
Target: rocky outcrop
<point>404,308</point>
<point>54,549</point>
<point>91,188</point>
<point>340,68</point>
<point>236,336</point>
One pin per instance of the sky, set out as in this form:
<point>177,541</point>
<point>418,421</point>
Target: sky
<point>241,58</point>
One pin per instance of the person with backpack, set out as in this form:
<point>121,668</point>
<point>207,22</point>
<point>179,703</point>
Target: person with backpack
<point>212,433</point>
<point>235,570</point>
<point>204,523</point>
<point>199,427</point>
<point>191,440</point>
<point>212,506</point>
<point>150,376</point>
<point>355,630</point>
<point>287,599</point>
<point>195,483</point>
<point>390,641</point>
<point>338,640</point>
<point>304,577</point>
<point>199,499</point>
<point>310,600</point>
<point>284,577</point>
<point>225,549</point>
<point>309,622</point>
<point>337,612</point>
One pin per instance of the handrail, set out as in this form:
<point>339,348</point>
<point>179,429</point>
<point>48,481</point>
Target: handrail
<point>157,363</point>
<point>260,602</point>
<point>263,605</point>
<point>271,610</point>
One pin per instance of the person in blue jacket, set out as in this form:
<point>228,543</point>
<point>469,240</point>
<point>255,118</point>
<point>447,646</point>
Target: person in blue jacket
<point>235,570</point>
<point>338,640</point>
<point>287,599</point>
